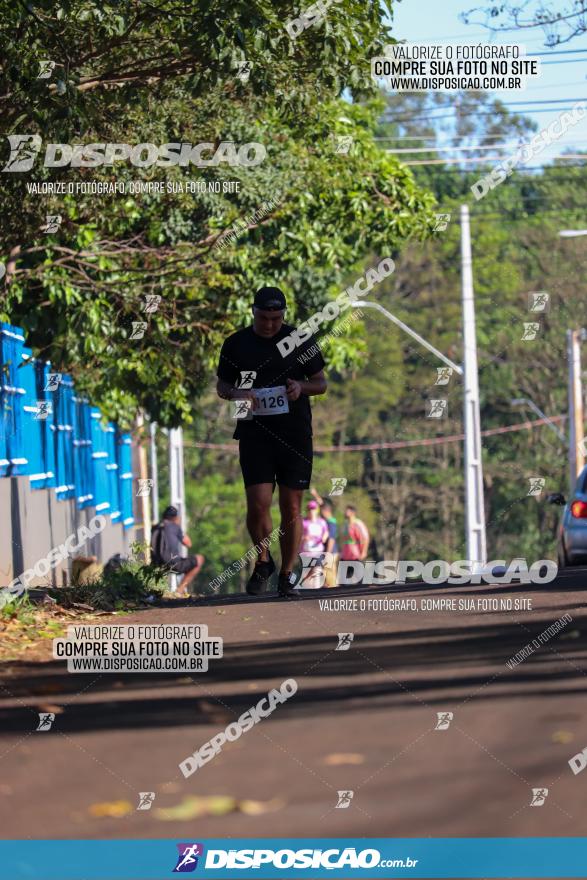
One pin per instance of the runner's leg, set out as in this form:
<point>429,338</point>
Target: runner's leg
<point>290,505</point>
<point>259,515</point>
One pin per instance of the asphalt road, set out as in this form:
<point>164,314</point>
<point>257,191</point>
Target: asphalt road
<point>362,720</point>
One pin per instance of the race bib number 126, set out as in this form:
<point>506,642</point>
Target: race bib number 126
<point>271,401</point>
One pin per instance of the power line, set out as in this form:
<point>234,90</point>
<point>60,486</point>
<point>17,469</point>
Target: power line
<point>483,159</point>
<point>402,444</point>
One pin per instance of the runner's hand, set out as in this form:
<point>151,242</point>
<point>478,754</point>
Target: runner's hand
<point>294,389</point>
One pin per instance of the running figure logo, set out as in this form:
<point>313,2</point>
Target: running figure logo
<point>138,329</point>
<point>538,302</point>
<point>536,485</point>
<point>437,409</point>
<point>46,69</point>
<point>151,303</point>
<point>43,410</point>
<point>23,151</point>
<point>539,795</point>
<point>442,221</point>
<point>530,331</point>
<point>247,378</point>
<point>46,719</point>
<point>443,375</point>
<point>52,223</point>
<point>338,485</point>
<point>144,489</point>
<point>444,719</point>
<point>344,641</point>
<point>146,799</point>
<point>187,859</point>
<point>344,799</point>
<point>52,383</point>
<point>242,409</point>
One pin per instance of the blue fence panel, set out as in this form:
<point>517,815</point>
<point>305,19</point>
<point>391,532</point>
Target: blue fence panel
<point>112,471</point>
<point>125,476</point>
<point>56,438</point>
<point>63,409</point>
<point>12,458</point>
<point>100,460</point>
<point>82,453</point>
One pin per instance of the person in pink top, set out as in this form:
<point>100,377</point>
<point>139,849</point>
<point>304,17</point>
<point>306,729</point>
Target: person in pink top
<point>314,538</point>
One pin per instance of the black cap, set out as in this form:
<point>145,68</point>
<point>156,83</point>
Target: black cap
<point>271,299</point>
<point>170,512</point>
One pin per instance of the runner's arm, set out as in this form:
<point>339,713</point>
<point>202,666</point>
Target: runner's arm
<point>316,384</point>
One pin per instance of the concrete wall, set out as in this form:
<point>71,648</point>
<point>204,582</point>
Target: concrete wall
<point>33,522</point>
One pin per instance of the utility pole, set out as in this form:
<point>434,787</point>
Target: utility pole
<point>576,436</point>
<point>176,479</point>
<point>143,476</point>
<point>474,499</point>
<point>154,471</point>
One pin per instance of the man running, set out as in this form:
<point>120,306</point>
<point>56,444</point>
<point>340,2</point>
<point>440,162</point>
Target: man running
<point>275,439</point>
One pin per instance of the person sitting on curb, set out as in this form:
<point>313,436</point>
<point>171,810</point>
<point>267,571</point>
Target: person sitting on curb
<point>166,540</point>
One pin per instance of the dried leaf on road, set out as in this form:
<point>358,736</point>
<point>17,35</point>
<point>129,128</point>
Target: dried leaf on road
<point>562,736</point>
<point>111,809</point>
<point>337,758</point>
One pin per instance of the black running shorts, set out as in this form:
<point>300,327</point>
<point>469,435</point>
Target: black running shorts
<point>269,459</point>
<point>182,564</point>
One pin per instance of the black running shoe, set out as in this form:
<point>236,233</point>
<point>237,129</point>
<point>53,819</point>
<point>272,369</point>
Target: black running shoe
<point>261,574</point>
<point>286,585</point>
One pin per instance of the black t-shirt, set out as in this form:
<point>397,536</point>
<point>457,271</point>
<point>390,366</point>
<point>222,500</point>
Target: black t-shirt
<point>246,351</point>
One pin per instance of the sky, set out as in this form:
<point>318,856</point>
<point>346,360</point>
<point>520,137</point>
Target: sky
<point>437,21</point>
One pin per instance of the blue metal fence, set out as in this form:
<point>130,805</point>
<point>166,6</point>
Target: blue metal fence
<point>57,438</point>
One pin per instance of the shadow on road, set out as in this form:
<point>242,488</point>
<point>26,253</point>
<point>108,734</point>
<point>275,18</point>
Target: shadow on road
<point>381,669</point>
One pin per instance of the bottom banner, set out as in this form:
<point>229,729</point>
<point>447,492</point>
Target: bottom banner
<point>504,857</point>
